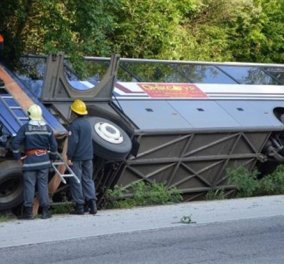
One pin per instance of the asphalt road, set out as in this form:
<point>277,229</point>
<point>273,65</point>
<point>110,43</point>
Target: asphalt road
<point>244,231</point>
<point>244,242</point>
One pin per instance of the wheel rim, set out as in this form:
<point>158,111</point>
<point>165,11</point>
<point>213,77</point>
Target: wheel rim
<point>108,132</point>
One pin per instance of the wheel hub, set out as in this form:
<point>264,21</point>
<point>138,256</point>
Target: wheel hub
<point>108,132</point>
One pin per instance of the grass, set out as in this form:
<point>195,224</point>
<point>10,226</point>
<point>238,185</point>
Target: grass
<point>248,184</point>
<point>61,208</point>
<point>5,217</point>
<point>215,195</point>
<point>141,194</point>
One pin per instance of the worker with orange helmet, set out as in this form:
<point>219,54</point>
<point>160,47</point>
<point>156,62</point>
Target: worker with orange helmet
<point>80,158</point>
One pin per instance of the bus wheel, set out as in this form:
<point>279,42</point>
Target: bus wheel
<point>11,186</point>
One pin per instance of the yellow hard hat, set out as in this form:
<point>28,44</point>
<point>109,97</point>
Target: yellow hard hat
<point>35,112</point>
<point>79,107</point>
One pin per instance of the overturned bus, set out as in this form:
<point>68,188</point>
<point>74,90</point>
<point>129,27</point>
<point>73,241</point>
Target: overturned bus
<point>180,123</point>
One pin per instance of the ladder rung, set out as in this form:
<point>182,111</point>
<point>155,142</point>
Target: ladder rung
<point>15,107</point>
<point>62,175</point>
<point>58,163</point>
<point>7,97</point>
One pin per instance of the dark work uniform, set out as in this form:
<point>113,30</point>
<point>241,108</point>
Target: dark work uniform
<point>80,152</point>
<point>37,137</point>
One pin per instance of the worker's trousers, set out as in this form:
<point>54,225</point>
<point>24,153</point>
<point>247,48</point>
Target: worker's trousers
<point>86,190</point>
<point>31,179</point>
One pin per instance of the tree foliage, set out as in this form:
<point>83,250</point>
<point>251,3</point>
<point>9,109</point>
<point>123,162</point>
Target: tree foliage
<point>46,26</point>
<point>256,31</point>
<point>213,30</point>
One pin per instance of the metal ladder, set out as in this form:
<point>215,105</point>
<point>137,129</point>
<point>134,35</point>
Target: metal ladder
<point>14,108</point>
<point>61,162</point>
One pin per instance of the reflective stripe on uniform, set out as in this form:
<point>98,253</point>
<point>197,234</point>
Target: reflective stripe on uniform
<point>36,164</point>
<point>37,133</point>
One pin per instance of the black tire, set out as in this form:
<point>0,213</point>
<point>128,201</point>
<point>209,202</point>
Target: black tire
<point>109,140</point>
<point>11,185</point>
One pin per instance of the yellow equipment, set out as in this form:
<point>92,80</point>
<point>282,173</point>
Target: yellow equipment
<point>79,107</point>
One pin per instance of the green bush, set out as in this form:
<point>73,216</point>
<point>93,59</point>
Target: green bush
<point>61,208</point>
<point>4,218</point>
<point>245,181</point>
<point>141,194</point>
<point>215,195</point>
<point>248,185</point>
<point>273,183</point>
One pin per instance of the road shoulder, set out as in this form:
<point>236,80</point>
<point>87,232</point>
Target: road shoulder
<point>62,227</point>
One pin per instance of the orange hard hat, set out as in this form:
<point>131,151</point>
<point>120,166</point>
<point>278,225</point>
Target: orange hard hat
<point>1,38</point>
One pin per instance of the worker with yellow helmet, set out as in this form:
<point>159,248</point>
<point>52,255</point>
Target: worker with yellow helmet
<point>80,158</point>
<point>39,144</point>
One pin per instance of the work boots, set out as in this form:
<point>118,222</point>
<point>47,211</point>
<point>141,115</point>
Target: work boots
<point>92,206</point>
<point>27,213</point>
<point>79,209</point>
<point>45,213</point>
